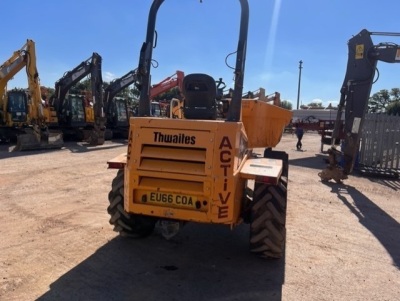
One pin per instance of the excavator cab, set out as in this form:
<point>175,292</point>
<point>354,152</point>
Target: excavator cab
<point>155,109</point>
<point>117,115</point>
<point>17,106</point>
<point>73,111</point>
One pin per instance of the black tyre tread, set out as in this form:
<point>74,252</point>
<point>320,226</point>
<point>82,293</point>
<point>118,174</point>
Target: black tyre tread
<point>126,224</point>
<point>122,211</point>
<point>268,218</point>
<point>259,221</point>
<point>114,218</point>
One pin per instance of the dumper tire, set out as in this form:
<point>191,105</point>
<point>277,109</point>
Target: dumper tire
<point>268,217</point>
<point>127,224</point>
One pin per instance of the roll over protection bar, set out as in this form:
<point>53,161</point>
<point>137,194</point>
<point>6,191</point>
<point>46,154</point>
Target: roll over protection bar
<point>146,57</point>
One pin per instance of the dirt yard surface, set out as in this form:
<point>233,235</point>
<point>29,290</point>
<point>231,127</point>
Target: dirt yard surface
<point>343,240</point>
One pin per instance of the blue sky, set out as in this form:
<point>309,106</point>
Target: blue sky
<point>196,37</point>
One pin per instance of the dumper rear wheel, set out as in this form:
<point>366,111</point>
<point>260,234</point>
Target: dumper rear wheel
<point>131,225</point>
<point>268,217</point>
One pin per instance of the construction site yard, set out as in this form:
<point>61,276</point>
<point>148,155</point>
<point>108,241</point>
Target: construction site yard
<point>342,243</point>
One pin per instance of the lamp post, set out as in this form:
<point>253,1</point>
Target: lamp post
<point>298,87</point>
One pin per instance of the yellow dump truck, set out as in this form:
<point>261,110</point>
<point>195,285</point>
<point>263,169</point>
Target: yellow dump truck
<point>202,168</point>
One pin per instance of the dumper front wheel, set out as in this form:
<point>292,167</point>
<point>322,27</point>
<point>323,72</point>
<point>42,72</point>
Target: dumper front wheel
<point>131,225</point>
<point>268,217</point>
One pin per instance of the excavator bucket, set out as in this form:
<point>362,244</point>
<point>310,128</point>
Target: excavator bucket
<point>96,138</point>
<point>31,140</point>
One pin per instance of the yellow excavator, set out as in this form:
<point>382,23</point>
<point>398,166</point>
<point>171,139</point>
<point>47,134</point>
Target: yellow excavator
<point>23,113</point>
<point>203,168</point>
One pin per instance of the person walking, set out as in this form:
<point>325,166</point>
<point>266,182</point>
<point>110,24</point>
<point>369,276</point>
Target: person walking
<point>299,134</point>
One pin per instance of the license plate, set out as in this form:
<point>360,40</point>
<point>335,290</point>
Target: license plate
<point>170,199</point>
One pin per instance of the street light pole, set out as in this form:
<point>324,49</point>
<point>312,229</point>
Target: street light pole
<point>298,87</point>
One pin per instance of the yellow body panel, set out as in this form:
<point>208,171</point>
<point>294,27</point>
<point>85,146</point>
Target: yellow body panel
<point>264,122</point>
<point>185,160</point>
<point>89,113</point>
<point>191,170</point>
<point>51,115</point>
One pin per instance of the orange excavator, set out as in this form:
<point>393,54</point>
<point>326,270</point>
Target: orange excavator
<point>167,84</point>
<point>174,108</point>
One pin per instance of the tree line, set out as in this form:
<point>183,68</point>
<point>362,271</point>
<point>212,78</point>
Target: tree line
<point>384,101</point>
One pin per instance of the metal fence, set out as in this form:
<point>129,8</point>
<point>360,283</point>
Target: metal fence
<point>380,142</point>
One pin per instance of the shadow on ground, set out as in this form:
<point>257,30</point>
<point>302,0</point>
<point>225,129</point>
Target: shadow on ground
<point>391,183</point>
<point>384,227</point>
<point>316,162</point>
<point>6,150</point>
<point>205,262</point>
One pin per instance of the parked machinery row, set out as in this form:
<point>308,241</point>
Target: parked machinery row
<point>37,120</point>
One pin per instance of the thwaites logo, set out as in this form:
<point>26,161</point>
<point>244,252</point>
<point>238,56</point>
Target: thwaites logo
<point>226,160</point>
<point>180,138</point>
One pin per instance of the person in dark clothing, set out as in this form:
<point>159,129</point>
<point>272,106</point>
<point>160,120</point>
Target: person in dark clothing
<point>299,134</point>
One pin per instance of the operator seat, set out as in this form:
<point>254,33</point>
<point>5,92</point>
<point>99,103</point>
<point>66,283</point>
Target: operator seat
<point>200,92</point>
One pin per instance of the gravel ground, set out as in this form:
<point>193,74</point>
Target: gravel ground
<point>56,243</point>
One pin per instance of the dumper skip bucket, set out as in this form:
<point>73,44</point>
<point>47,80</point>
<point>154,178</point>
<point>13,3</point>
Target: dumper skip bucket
<point>264,122</point>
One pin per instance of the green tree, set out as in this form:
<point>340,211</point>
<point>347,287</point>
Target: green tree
<point>378,101</point>
<point>317,105</point>
<point>393,108</point>
<point>173,93</point>
<point>135,92</point>
<point>83,85</point>
<point>286,104</point>
<point>49,91</point>
<point>385,101</point>
<point>395,94</point>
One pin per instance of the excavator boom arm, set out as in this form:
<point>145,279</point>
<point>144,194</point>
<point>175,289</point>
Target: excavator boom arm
<point>11,67</point>
<point>363,57</point>
<point>91,66</point>
<point>72,77</point>
<point>97,86</point>
<point>25,57</point>
<point>118,85</point>
<point>167,84</point>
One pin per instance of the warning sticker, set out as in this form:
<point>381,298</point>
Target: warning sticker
<point>359,51</point>
<point>397,58</point>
